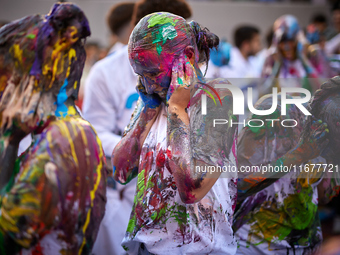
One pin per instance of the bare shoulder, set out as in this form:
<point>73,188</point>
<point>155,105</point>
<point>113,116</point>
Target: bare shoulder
<point>71,132</point>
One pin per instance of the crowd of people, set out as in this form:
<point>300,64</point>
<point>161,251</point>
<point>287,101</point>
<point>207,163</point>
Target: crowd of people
<point>99,149</point>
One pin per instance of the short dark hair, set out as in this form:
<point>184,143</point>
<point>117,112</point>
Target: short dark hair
<point>119,15</point>
<point>244,34</point>
<point>269,37</point>
<point>319,18</point>
<point>145,7</point>
<point>336,6</point>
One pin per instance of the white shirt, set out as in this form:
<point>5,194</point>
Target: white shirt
<point>109,100</point>
<point>110,97</point>
<point>239,67</point>
<point>162,221</point>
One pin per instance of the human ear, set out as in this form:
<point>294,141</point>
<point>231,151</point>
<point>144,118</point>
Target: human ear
<point>190,53</point>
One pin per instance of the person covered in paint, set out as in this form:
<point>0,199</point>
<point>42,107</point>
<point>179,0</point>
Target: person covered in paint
<point>110,99</point>
<point>325,106</point>
<point>177,210</point>
<point>287,59</point>
<point>283,217</point>
<point>52,197</point>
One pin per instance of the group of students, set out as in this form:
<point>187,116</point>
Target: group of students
<point>58,197</point>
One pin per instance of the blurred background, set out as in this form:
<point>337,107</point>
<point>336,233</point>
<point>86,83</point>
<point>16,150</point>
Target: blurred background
<point>220,16</point>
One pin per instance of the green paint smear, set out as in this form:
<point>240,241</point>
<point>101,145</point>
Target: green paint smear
<point>164,33</point>
<point>131,225</point>
<point>180,81</point>
<point>125,248</point>
<point>160,19</point>
<point>31,36</point>
<point>159,49</point>
<point>297,213</point>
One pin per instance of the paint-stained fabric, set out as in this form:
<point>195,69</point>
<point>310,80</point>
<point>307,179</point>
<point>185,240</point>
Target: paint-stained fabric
<point>57,200</point>
<point>283,217</point>
<point>160,219</point>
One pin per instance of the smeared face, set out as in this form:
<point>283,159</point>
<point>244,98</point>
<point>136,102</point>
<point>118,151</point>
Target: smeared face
<point>154,69</point>
<point>154,44</point>
<point>288,49</point>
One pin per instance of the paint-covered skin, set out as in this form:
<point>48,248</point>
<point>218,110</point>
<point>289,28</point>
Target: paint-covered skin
<point>288,46</point>
<point>170,214</point>
<point>284,214</point>
<point>325,105</point>
<point>176,209</point>
<point>52,197</point>
<point>309,146</point>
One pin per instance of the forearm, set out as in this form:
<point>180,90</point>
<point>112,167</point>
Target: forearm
<point>125,156</point>
<point>255,182</point>
<point>8,155</point>
<point>192,185</point>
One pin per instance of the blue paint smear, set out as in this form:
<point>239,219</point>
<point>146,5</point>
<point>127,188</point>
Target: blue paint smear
<point>131,99</point>
<point>61,110</point>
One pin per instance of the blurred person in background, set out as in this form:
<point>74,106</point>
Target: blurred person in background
<point>219,60</point>
<point>109,100</point>
<point>320,22</point>
<point>247,43</point>
<point>92,56</point>
<point>333,44</point>
<point>119,22</point>
<point>288,58</point>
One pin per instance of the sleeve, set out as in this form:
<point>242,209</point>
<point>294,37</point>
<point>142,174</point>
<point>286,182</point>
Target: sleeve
<point>99,109</point>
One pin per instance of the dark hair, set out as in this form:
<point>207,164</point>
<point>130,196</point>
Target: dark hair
<point>319,18</point>
<point>119,15</point>
<point>244,34</point>
<point>145,7</point>
<point>269,37</point>
<point>205,41</point>
<point>336,6</point>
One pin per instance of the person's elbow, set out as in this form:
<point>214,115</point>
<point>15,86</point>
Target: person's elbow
<point>190,197</point>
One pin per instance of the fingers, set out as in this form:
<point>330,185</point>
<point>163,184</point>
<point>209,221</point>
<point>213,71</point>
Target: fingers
<point>319,130</point>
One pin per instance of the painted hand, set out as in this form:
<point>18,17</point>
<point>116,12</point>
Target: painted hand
<point>150,100</point>
<point>183,77</point>
<point>312,143</point>
<point>19,110</point>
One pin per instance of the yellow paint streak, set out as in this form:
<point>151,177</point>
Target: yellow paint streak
<point>63,127</point>
<point>56,54</point>
<point>71,54</point>
<point>92,195</point>
<point>17,52</point>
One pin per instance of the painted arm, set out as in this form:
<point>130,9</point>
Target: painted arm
<point>311,72</point>
<point>192,142</point>
<point>19,117</point>
<point>270,71</point>
<point>310,146</point>
<point>125,156</point>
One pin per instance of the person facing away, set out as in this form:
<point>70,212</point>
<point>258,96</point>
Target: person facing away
<point>52,197</point>
<point>177,210</point>
<point>109,101</point>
